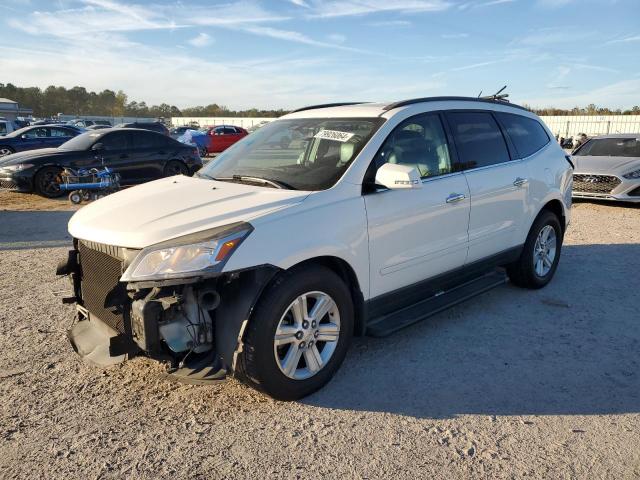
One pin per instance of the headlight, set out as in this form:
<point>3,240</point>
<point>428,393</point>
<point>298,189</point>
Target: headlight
<point>17,167</point>
<point>634,174</point>
<point>188,256</point>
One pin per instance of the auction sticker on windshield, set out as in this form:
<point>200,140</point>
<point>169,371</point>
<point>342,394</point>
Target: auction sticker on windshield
<point>334,135</point>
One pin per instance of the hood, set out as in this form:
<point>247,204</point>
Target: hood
<point>605,165</point>
<point>172,207</point>
<point>22,157</point>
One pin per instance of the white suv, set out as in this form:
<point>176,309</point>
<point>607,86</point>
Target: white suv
<point>268,261</point>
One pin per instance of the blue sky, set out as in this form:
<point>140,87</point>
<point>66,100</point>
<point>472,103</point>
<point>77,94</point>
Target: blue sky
<point>287,53</point>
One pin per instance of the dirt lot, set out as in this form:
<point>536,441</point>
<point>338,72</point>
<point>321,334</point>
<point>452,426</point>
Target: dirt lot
<point>512,384</point>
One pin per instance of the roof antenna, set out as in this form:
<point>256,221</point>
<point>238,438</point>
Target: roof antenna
<point>480,94</point>
<point>498,96</point>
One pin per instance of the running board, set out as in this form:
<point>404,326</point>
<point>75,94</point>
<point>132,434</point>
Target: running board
<point>387,324</point>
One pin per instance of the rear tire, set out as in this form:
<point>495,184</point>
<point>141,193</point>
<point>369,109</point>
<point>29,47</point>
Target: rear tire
<point>175,167</point>
<point>541,253</point>
<point>323,338</point>
<point>47,182</point>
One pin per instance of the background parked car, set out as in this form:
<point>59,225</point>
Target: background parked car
<point>179,131</point>
<point>137,155</point>
<point>31,138</point>
<point>97,127</point>
<point>223,136</point>
<point>607,167</point>
<point>153,126</point>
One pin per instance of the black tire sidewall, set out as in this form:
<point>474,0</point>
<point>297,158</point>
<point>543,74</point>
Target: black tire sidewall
<point>546,218</point>
<point>38,180</point>
<point>262,368</point>
<point>184,170</point>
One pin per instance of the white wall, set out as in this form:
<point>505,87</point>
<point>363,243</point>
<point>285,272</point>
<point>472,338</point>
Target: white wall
<point>244,122</point>
<point>569,126</point>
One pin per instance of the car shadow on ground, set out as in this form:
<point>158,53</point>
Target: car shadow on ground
<point>571,348</point>
<point>20,230</point>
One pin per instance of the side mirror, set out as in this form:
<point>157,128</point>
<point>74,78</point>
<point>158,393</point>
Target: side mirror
<point>396,177</point>
<point>97,147</point>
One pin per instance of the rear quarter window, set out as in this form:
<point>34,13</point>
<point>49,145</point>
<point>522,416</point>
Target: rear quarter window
<point>527,135</point>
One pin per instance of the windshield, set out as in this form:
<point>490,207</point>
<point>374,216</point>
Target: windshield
<point>611,147</point>
<point>303,154</point>
<point>82,141</point>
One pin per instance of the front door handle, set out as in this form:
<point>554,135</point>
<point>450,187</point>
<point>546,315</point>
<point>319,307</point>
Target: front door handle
<point>456,197</point>
<point>519,182</point>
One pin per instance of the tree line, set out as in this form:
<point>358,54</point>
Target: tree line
<point>78,101</point>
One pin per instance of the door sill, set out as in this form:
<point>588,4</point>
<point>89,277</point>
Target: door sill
<point>390,323</point>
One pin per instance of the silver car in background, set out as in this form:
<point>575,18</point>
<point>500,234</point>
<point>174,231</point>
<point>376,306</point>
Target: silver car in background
<point>607,167</point>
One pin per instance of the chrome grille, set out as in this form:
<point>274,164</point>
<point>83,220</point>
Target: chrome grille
<point>595,183</point>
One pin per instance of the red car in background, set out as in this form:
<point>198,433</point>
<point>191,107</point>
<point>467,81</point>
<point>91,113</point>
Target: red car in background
<point>223,136</point>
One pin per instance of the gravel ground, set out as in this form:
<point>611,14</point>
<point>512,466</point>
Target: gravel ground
<point>541,384</point>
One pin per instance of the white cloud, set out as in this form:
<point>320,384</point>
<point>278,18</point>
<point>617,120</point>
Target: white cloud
<point>633,38</point>
<point>391,23</point>
<point>614,95</point>
<point>452,36</point>
<point>300,3</point>
<point>341,8</point>
<point>201,40</point>
<point>337,38</point>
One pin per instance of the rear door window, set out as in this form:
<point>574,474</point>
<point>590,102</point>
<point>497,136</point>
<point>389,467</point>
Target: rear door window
<point>478,139</point>
<point>527,134</point>
<point>60,132</point>
<point>115,141</point>
<point>146,140</point>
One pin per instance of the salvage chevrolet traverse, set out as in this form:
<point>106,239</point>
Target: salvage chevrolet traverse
<point>268,261</point>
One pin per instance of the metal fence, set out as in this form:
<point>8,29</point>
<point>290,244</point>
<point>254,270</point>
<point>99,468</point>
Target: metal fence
<point>570,126</point>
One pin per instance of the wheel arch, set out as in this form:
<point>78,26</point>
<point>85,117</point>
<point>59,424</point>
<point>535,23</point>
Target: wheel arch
<point>346,272</point>
<point>555,206</point>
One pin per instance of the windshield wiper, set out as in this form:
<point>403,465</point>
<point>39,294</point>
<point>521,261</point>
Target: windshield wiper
<point>250,179</point>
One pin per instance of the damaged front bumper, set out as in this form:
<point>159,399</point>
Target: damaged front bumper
<point>194,325</point>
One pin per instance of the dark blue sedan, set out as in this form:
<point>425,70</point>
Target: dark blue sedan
<point>40,136</point>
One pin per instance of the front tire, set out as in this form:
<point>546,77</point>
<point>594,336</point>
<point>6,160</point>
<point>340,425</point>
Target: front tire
<point>541,253</point>
<point>299,334</point>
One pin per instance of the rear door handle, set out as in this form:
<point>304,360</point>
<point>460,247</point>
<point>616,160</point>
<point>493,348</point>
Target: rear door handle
<point>519,182</point>
<point>456,197</point>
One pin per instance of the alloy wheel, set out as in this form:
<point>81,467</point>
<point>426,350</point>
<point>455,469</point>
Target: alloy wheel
<point>307,335</point>
<point>544,251</point>
<point>5,151</point>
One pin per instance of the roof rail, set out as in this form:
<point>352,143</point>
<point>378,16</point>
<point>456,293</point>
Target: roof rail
<point>326,105</point>
<point>493,99</point>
